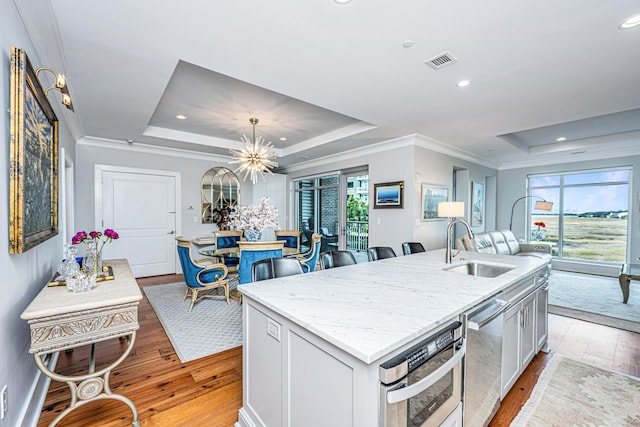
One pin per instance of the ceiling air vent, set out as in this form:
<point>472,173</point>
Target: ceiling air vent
<point>441,60</point>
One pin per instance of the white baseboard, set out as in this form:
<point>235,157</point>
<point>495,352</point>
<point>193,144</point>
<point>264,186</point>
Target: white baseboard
<point>244,420</point>
<point>608,270</point>
<point>39,389</point>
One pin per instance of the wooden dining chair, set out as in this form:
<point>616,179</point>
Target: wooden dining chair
<point>200,277</point>
<point>251,252</point>
<point>226,247</point>
<point>291,240</point>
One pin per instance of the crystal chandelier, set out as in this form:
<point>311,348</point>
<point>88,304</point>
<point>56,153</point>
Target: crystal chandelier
<point>255,156</point>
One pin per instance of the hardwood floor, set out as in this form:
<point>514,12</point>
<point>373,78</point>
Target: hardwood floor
<point>208,392</point>
<point>203,392</point>
<point>598,345</point>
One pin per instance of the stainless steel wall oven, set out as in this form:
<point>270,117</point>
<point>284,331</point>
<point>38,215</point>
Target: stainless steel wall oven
<point>423,385</point>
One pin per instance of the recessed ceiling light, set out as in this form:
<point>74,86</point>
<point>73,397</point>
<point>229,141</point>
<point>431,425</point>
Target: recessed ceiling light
<point>342,1</point>
<point>283,138</point>
<point>630,22</point>
<point>562,138</point>
<point>408,43</point>
<point>181,117</point>
<point>463,83</point>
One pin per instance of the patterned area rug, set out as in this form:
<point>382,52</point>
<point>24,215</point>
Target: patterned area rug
<point>570,393</point>
<point>212,326</point>
<point>595,299</point>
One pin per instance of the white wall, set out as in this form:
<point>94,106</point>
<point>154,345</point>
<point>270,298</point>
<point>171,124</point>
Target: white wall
<point>23,275</point>
<point>190,166</point>
<point>512,184</point>
<point>400,160</point>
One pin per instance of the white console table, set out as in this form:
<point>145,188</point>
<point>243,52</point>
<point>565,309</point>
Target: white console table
<point>61,320</point>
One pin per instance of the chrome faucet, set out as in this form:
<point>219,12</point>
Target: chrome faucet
<point>448,255</point>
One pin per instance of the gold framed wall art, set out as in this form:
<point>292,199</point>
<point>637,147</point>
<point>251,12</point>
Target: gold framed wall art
<point>33,159</point>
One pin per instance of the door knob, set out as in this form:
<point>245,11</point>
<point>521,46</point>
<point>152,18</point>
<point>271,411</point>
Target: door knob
<point>171,232</point>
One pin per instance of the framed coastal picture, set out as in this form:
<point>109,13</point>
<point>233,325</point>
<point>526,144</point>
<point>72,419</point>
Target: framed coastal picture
<point>432,194</point>
<point>33,164</point>
<point>477,204</point>
<point>389,195</point>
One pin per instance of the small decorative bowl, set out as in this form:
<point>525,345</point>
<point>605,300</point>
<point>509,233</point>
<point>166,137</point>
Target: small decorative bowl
<point>81,282</point>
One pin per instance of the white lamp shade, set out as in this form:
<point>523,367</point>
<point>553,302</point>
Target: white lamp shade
<point>451,209</point>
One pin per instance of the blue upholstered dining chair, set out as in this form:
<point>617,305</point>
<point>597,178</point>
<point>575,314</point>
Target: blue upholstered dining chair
<point>291,240</point>
<point>226,247</point>
<point>310,259</point>
<point>201,275</point>
<point>251,252</point>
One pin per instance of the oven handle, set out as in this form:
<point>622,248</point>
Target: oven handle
<point>408,392</point>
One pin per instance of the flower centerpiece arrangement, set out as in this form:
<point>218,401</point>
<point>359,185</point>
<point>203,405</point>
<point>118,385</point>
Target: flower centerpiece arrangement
<point>252,219</point>
<point>540,233</point>
<point>95,241</point>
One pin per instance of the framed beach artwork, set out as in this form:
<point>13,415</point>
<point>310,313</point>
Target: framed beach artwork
<point>432,194</point>
<point>389,195</point>
<point>477,204</point>
<point>33,159</point>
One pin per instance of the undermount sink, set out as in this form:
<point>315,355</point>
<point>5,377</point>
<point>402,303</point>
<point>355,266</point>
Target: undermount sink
<point>480,269</point>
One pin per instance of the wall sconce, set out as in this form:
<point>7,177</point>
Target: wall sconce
<point>60,86</point>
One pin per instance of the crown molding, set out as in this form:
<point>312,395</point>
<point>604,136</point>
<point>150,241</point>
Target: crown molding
<point>404,141</point>
<point>440,147</point>
<point>139,147</point>
<point>606,152</point>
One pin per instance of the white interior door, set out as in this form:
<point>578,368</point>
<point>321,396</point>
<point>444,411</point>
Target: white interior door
<point>141,207</point>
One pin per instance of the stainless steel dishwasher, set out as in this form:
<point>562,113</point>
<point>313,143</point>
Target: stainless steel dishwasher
<point>484,326</point>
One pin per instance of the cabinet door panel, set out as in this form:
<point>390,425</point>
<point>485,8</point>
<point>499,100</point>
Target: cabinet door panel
<point>528,338</point>
<point>510,349</point>
<point>542,317</point>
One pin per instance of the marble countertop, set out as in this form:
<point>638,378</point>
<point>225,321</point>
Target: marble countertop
<point>371,309</point>
<point>56,300</point>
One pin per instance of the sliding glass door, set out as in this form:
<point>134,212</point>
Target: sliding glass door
<point>589,220</point>
<point>336,206</point>
<point>318,209</point>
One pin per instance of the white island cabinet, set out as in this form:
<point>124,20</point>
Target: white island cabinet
<point>313,343</point>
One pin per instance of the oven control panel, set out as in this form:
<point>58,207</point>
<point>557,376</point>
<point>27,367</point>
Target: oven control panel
<point>398,367</point>
<point>429,349</point>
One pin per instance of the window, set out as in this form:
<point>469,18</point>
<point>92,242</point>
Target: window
<point>589,220</point>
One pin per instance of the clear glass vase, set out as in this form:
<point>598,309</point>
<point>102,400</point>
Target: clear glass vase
<point>92,261</point>
<point>69,265</point>
<point>538,235</point>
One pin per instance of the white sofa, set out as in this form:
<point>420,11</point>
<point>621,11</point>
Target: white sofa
<point>504,243</point>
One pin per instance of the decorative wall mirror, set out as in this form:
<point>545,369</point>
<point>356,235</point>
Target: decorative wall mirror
<point>219,189</point>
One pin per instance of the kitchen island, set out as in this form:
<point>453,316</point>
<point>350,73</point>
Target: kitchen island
<point>313,343</point>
